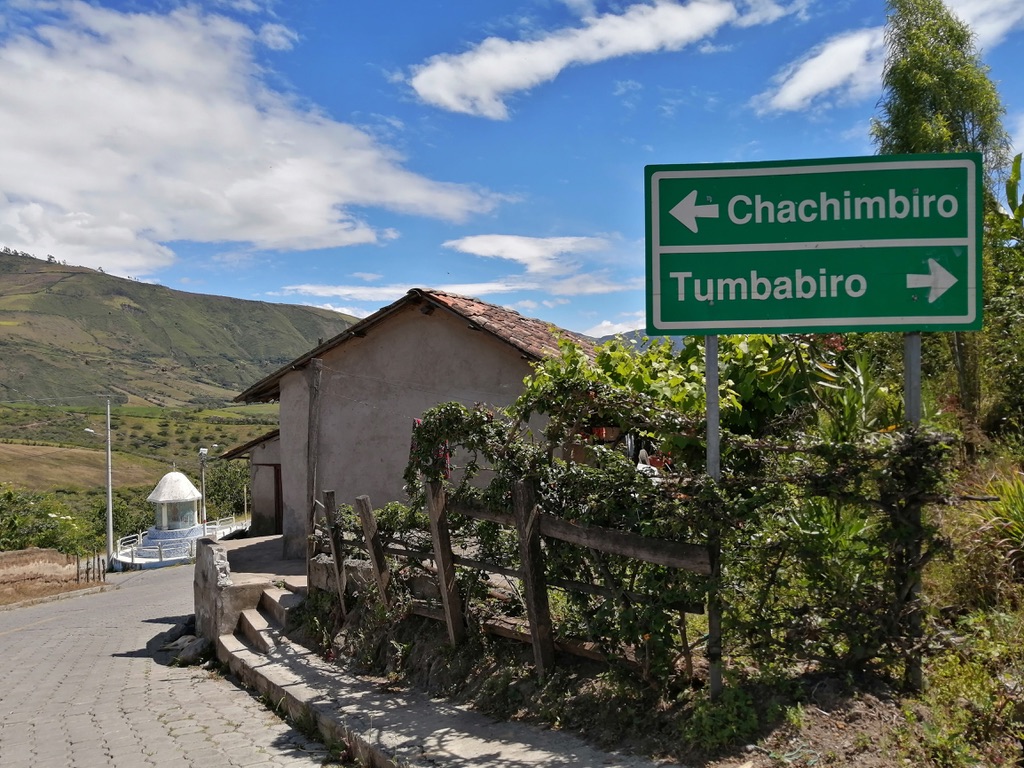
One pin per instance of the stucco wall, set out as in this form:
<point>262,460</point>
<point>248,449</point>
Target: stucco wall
<point>372,389</point>
<point>267,452</point>
<point>294,419</point>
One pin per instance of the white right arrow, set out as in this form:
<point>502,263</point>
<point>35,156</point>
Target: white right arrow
<point>687,211</point>
<point>937,279</point>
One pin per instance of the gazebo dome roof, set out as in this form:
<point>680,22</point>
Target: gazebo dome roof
<point>174,486</point>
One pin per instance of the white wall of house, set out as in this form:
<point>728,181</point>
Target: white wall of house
<point>372,389</point>
<point>294,425</point>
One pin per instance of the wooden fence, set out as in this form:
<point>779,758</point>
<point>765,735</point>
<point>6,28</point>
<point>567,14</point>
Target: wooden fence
<point>531,525</point>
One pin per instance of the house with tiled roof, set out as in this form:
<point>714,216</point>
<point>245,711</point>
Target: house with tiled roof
<point>347,406</point>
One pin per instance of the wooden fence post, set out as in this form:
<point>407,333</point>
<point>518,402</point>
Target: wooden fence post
<point>315,376</point>
<point>439,533</point>
<point>527,515</point>
<point>337,556</point>
<point>714,643</point>
<point>373,547</point>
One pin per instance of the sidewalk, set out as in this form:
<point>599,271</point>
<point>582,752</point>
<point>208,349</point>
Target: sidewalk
<point>383,727</point>
<point>85,687</point>
<point>386,728</point>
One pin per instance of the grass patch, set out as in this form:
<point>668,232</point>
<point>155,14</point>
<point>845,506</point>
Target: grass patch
<point>48,467</point>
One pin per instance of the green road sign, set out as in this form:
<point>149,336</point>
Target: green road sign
<point>867,243</point>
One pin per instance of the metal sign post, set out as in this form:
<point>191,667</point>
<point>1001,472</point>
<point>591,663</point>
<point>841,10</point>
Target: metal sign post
<point>864,243</point>
<point>714,465</point>
<point>912,407</point>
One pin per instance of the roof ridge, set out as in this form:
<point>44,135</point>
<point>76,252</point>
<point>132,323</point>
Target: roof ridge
<point>534,338</point>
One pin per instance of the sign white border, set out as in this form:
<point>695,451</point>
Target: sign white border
<point>969,242</point>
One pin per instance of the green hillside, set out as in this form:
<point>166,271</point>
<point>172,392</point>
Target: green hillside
<point>43,448</point>
<point>67,332</point>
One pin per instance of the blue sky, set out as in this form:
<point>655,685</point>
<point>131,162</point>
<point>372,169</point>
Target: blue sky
<point>339,153</point>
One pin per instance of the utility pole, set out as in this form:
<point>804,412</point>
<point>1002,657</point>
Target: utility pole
<point>110,494</point>
<point>110,497</point>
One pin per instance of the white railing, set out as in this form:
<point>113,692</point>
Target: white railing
<point>129,549</point>
<point>223,526</point>
<point>128,541</point>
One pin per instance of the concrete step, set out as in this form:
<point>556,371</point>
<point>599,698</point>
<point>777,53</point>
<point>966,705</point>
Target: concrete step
<point>401,729</point>
<point>297,584</point>
<point>257,630</point>
<point>277,603</point>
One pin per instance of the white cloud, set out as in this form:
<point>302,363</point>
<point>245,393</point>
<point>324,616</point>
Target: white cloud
<point>120,132</point>
<point>501,285</point>
<point>354,311</point>
<point>548,263</point>
<point>385,294</point>
<point>477,81</point>
<point>247,6</point>
<point>626,87</point>
<point>849,65</point>
<point>628,91</point>
<point>278,37</point>
<point>757,12</point>
<point>608,328</point>
<point>582,284</point>
<point>991,20</point>
<point>540,255</point>
<point>709,48</point>
<point>582,8</point>
<point>369,277</point>
<point>1017,132</point>
<point>591,284</point>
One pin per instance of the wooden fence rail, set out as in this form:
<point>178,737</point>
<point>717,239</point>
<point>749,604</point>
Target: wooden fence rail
<point>531,525</point>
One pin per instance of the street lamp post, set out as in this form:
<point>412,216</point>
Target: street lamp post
<point>110,493</point>
<point>110,496</point>
<point>202,482</point>
<point>203,454</point>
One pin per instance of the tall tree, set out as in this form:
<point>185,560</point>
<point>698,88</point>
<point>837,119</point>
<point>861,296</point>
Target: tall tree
<point>1004,307</point>
<point>938,98</point>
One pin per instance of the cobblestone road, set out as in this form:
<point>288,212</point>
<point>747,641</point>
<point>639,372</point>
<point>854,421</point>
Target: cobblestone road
<point>79,688</point>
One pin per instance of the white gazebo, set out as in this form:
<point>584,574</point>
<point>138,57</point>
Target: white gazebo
<point>176,527</point>
<point>177,503</point>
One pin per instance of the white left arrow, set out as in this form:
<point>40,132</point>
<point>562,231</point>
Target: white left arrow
<point>687,211</point>
<point>937,279</point>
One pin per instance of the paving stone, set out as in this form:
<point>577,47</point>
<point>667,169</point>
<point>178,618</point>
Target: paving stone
<point>87,663</point>
<point>80,688</point>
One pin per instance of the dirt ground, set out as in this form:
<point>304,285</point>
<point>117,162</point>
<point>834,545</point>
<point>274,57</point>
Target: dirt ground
<point>858,731</point>
<point>32,590</point>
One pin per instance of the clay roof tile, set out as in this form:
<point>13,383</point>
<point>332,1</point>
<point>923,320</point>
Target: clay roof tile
<point>536,338</point>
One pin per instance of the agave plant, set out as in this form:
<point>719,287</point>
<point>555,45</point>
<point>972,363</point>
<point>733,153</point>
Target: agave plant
<point>1005,514</point>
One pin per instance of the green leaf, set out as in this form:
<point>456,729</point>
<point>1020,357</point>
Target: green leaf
<point>1012,188</point>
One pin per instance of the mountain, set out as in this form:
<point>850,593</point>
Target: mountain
<point>640,339</point>
<point>70,332</point>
